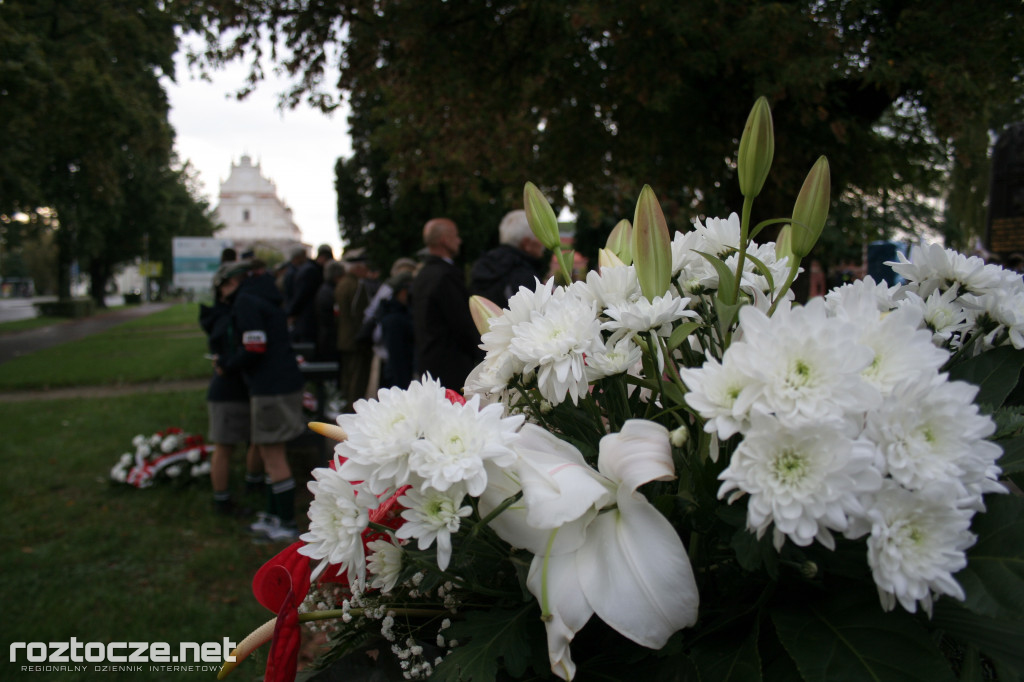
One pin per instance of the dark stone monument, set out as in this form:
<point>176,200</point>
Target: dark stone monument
<point>1005,233</point>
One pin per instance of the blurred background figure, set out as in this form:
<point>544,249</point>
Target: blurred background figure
<point>355,353</point>
<point>396,333</point>
<point>516,262</point>
<point>446,338</point>
<point>227,398</point>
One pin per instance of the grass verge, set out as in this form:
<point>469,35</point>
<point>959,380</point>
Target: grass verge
<point>165,346</point>
<point>83,557</point>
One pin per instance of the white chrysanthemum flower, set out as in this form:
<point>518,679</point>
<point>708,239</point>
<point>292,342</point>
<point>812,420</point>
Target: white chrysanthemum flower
<point>500,365</point>
<point>903,351</point>
<point>384,563</point>
<point>917,542</point>
<point>717,238</point>
<point>612,286</point>
<point>941,312</point>
<point>433,515</point>
<point>722,395</point>
<point>1006,310</point>
<point>381,434</point>
<point>809,365</point>
<point>805,480</point>
<point>457,442</point>
<point>884,296</point>
<point>617,357</point>
<point>555,344</point>
<point>932,432</point>
<point>754,279</point>
<point>337,519</point>
<point>643,315</point>
<point>932,267</point>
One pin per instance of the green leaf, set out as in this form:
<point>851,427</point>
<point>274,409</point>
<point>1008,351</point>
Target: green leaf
<point>997,639</point>
<point>994,576</point>
<point>764,270</point>
<point>680,333</point>
<point>726,278</point>
<point>493,634</point>
<point>995,372</point>
<point>849,637</point>
<point>731,658</point>
<point>753,553</point>
<point>1012,461</point>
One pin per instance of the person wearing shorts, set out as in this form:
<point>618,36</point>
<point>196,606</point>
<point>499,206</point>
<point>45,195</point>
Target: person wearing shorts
<point>227,398</point>
<point>265,358</point>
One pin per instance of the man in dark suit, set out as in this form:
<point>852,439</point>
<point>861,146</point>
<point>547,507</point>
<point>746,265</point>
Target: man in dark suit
<point>446,338</point>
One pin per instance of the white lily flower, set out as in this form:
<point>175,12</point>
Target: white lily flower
<point>628,566</point>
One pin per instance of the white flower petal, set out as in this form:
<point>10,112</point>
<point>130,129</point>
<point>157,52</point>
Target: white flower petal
<point>635,572</point>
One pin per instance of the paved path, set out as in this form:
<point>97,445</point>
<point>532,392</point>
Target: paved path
<point>22,343</point>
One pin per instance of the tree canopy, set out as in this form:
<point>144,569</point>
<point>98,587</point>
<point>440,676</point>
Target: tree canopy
<point>84,119</point>
<point>456,104</point>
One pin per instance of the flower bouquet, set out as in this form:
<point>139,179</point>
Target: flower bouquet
<point>670,470</point>
<point>164,455</point>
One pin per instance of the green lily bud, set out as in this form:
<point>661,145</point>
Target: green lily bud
<point>619,241</point>
<point>811,209</point>
<point>607,259</point>
<point>541,217</point>
<point>784,243</point>
<point>757,148</point>
<point>652,248</point>
<point>482,310</point>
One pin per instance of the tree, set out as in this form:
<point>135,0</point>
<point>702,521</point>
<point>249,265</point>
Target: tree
<point>469,99</point>
<point>87,115</point>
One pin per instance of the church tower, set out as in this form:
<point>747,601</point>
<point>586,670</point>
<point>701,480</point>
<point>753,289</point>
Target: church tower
<point>254,217</point>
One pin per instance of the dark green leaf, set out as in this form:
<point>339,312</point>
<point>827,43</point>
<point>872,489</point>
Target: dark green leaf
<point>753,554</point>
<point>1012,461</point>
<point>994,577</point>
<point>492,635</point>
<point>997,639</point>
<point>995,372</point>
<point>730,658</point>
<point>849,637</point>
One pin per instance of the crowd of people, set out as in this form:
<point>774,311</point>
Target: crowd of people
<point>415,322</point>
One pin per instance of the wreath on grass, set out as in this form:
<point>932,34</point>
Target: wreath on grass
<point>171,454</point>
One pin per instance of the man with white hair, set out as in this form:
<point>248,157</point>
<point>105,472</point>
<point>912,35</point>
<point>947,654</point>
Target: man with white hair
<point>499,273</point>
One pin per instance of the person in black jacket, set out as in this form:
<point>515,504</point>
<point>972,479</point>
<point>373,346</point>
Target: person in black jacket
<point>446,338</point>
<point>326,314</point>
<point>396,330</point>
<point>266,361</point>
<point>227,398</point>
<point>499,273</point>
<point>299,306</point>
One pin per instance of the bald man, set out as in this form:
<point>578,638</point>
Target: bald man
<point>446,338</point>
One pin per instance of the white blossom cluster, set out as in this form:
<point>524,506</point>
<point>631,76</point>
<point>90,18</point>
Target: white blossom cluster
<point>963,299</point>
<point>565,338</point>
<point>849,427</point>
<point>553,336</point>
<point>419,446</point>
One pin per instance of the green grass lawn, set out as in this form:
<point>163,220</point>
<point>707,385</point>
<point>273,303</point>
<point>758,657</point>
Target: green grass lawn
<point>86,558</point>
<point>31,323</point>
<point>165,346</point>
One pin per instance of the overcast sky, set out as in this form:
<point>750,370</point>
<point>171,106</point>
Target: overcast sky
<point>296,149</point>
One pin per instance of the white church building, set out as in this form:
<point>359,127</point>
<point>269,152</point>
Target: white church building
<point>254,217</point>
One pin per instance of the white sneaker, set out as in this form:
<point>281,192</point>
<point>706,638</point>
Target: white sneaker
<point>263,523</point>
<point>283,532</point>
